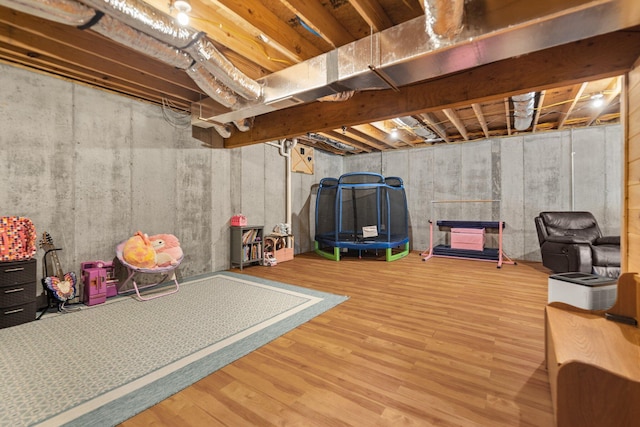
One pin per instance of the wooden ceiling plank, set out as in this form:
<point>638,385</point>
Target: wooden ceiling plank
<point>378,130</point>
<point>99,65</point>
<point>340,137</point>
<point>71,40</point>
<point>536,118</point>
<point>372,13</point>
<point>453,118</point>
<point>320,20</point>
<point>271,26</point>
<point>609,55</point>
<point>362,137</point>
<point>564,115</point>
<point>507,113</point>
<point>227,29</point>
<point>477,109</point>
<point>238,36</point>
<point>375,132</point>
<point>61,69</point>
<point>432,122</point>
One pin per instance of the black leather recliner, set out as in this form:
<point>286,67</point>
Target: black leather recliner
<point>572,241</point>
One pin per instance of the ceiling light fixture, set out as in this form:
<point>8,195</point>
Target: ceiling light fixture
<point>183,7</point>
<point>597,100</point>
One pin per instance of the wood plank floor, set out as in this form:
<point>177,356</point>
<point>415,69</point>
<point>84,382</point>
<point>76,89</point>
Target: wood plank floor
<point>446,342</point>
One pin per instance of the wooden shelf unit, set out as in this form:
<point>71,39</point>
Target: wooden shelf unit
<point>247,245</point>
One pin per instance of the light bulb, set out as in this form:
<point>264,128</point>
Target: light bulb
<point>182,6</point>
<point>182,18</point>
<point>597,100</point>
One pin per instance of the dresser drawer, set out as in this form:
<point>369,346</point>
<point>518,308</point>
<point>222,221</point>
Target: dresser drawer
<point>17,294</point>
<point>15,273</point>
<point>18,314</point>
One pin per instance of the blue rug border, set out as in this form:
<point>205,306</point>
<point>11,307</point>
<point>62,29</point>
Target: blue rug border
<point>125,407</point>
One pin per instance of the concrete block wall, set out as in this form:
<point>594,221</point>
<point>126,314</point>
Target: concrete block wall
<point>567,170</point>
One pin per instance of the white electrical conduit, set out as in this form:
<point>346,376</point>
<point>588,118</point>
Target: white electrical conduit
<point>285,146</point>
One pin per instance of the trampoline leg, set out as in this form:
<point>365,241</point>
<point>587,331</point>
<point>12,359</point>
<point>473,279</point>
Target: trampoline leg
<point>403,253</point>
<point>333,257</point>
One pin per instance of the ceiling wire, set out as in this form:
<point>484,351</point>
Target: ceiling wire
<point>174,116</point>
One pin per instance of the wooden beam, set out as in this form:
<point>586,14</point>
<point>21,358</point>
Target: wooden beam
<point>99,68</point>
<point>283,37</point>
<point>340,137</point>
<point>433,124</point>
<point>314,15</point>
<point>372,13</point>
<point>477,109</point>
<point>598,57</point>
<point>536,118</point>
<point>379,132</point>
<point>568,109</point>
<point>363,138</point>
<point>507,114</point>
<point>453,118</point>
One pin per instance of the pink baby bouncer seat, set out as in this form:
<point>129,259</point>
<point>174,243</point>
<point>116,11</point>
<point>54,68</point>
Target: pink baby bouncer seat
<point>155,275</point>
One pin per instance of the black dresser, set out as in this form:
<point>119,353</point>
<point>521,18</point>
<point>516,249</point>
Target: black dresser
<point>17,292</point>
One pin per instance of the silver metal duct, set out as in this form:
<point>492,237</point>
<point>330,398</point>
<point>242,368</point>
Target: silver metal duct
<point>523,110</point>
<point>124,34</point>
<point>213,88</point>
<point>223,130</point>
<point>217,64</point>
<point>149,31</point>
<point>243,125</point>
<point>67,12</point>
<point>144,17</point>
<point>407,54</point>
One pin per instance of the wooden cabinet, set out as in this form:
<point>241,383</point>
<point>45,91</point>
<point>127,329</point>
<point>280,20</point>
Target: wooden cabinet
<point>594,368</point>
<point>246,245</point>
<point>17,292</point>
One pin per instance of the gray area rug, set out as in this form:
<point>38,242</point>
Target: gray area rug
<point>103,364</point>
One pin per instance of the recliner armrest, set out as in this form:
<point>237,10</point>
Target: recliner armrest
<point>567,239</point>
<point>607,240</point>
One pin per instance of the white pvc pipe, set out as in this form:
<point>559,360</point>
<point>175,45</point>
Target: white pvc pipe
<point>572,172</point>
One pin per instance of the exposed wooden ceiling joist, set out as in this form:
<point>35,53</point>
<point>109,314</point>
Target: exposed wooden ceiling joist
<point>609,55</point>
<point>262,37</point>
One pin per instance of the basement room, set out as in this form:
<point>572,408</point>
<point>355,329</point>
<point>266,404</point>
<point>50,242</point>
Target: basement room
<point>320,213</point>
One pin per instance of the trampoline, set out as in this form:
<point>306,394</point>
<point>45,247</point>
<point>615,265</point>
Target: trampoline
<point>361,211</point>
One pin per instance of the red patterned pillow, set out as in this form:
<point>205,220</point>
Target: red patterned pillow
<point>17,238</point>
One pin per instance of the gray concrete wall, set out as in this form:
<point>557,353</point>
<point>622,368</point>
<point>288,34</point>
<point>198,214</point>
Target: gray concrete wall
<point>567,170</point>
<point>92,168</point>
